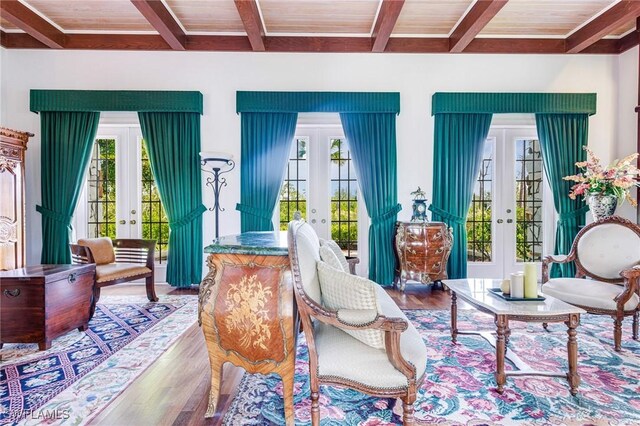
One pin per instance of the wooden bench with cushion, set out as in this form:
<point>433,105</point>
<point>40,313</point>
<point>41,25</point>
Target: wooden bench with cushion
<point>123,260</point>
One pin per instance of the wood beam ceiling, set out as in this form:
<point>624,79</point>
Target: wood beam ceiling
<point>588,40</point>
<point>32,23</point>
<point>250,15</point>
<point>161,19</point>
<point>478,17</point>
<point>604,24</point>
<point>387,18</point>
<point>310,44</point>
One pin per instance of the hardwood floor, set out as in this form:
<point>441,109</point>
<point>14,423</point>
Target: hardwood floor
<point>174,390</point>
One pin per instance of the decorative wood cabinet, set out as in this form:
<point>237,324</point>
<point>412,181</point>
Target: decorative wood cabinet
<point>247,310</point>
<point>422,249</point>
<point>13,145</point>
<point>42,302</point>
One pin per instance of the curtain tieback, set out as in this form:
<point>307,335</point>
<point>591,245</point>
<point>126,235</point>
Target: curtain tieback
<point>570,215</point>
<point>386,215</point>
<point>58,217</point>
<point>188,218</point>
<point>446,215</point>
<point>254,211</point>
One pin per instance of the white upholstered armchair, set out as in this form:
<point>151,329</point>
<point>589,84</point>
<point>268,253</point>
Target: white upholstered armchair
<point>606,254</point>
<point>374,350</point>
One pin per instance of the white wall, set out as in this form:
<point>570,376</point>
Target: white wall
<point>626,137</point>
<point>2,84</point>
<point>219,75</point>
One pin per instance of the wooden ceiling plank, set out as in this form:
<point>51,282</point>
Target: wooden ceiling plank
<point>603,25</point>
<point>387,18</point>
<point>474,21</point>
<point>248,10</point>
<point>161,19</point>
<point>31,23</point>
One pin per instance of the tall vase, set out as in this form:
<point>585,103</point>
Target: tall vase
<point>602,206</point>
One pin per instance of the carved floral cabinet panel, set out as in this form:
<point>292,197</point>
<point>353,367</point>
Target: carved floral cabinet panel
<point>247,310</point>
<point>422,249</point>
<point>13,145</point>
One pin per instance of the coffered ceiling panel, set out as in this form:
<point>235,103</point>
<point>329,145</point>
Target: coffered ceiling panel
<point>430,17</point>
<point>207,16</point>
<point>319,16</point>
<point>543,17</point>
<point>94,15</point>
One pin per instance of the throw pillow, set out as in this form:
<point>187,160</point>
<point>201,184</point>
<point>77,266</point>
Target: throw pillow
<point>101,249</point>
<point>341,290</point>
<point>338,252</point>
<point>328,256</point>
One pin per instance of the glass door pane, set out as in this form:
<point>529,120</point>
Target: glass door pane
<point>155,225</point>
<point>101,190</point>
<point>529,201</point>
<point>293,195</point>
<point>344,197</point>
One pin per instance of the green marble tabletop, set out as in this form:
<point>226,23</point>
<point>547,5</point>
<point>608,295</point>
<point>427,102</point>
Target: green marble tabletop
<point>260,243</point>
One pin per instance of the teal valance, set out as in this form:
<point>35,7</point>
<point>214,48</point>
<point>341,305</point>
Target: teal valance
<point>291,102</point>
<point>116,100</point>
<point>501,103</point>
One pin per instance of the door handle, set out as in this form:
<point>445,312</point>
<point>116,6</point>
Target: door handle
<point>123,222</point>
<point>133,222</point>
<point>509,220</point>
<point>499,220</point>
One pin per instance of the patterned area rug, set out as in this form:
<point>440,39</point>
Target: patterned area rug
<point>459,388</point>
<point>84,371</point>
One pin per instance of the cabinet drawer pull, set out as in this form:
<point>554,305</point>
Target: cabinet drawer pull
<point>12,293</point>
<point>437,236</point>
<point>439,250</point>
<point>71,278</point>
<point>436,265</point>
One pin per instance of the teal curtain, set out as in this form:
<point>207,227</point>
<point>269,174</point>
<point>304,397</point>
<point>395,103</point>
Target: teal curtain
<point>458,147</point>
<point>265,143</point>
<point>173,144</point>
<point>66,142</point>
<point>372,142</point>
<point>562,137</point>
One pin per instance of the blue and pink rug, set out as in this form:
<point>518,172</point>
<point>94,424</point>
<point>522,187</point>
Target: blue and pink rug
<point>459,388</point>
<point>84,371</point>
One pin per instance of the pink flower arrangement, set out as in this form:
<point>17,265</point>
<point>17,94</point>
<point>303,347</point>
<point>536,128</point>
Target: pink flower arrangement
<point>615,179</point>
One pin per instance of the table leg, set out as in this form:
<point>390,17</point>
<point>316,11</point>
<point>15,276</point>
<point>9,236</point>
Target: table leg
<point>454,316</point>
<point>502,324</point>
<point>572,348</point>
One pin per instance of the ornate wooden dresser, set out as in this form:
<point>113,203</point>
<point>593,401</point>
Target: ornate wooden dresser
<point>422,249</point>
<point>247,310</point>
<point>13,145</point>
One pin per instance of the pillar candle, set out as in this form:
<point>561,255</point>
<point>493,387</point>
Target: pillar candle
<point>530,280</point>
<point>517,284</point>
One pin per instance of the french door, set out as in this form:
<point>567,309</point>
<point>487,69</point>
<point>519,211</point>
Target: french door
<point>321,183</point>
<point>119,198</point>
<point>511,216</point>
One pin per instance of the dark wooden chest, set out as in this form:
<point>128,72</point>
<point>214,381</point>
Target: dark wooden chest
<point>39,303</point>
<point>423,250</point>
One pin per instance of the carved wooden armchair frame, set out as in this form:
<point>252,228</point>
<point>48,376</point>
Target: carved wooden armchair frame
<point>392,327</point>
<point>628,277</point>
<point>126,251</point>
